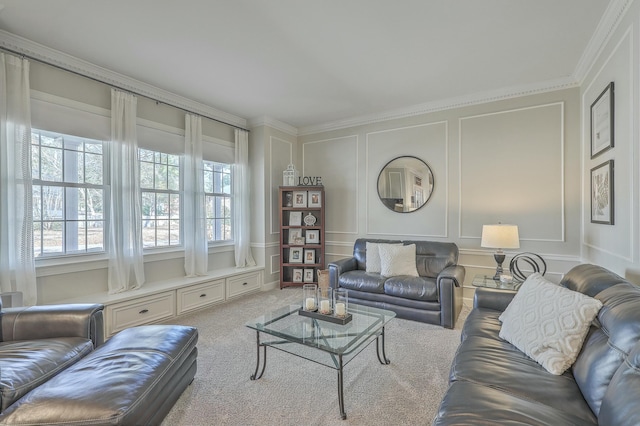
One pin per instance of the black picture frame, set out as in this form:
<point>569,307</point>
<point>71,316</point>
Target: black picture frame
<point>602,193</point>
<point>602,121</point>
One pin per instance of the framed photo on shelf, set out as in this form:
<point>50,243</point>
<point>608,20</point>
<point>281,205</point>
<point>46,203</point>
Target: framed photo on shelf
<point>312,236</point>
<point>295,237</point>
<point>295,255</point>
<point>315,199</point>
<point>299,198</point>
<point>602,122</point>
<point>297,275</point>
<point>309,256</point>
<point>601,193</point>
<point>308,275</point>
<point>295,218</point>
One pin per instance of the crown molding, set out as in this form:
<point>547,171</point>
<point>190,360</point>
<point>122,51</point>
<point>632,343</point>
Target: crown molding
<point>609,22</point>
<point>30,49</point>
<point>273,123</point>
<point>430,107</point>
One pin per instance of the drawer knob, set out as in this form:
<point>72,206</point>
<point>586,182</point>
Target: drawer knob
<point>203,295</point>
<point>245,283</point>
<point>144,311</point>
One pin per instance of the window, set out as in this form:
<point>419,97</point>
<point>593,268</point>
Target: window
<point>160,187</point>
<point>217,190</point>
<point>68,194</point>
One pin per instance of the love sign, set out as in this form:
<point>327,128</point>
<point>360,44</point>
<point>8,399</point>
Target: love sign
<point>309,181</point>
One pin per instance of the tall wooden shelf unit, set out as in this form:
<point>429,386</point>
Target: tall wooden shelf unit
<point>299,238</point>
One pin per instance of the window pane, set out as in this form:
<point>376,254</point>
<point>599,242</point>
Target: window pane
<point>174,233</point>
<point>162,233</point>
<point>93,169</point>
<point>208,181</point>
<point>174,178</point>
<point>51,164</point>
<point>69,208</point>
<point>146,175</point>
<point>52,202</point>
<point>161,177</point>
<point>149,233</point>
<point>52,236</point>
<point>148,205</point>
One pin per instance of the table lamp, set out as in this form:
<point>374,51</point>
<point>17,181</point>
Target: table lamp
<point>500,237</point>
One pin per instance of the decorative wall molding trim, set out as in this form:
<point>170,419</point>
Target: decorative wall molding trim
<point>459,102</point>
<point>20,45</point>
<point>274,230</point>
<point>604,31</point>
<point>274,124</point>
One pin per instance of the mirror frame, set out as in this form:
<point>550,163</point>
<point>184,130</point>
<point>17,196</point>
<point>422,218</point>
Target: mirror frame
<point>422,164</point>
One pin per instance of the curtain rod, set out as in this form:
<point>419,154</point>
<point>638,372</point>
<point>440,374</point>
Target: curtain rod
<point>23,55</point>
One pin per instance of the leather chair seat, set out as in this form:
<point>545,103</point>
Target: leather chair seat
<point>27,364</point>
<point>362,281</point>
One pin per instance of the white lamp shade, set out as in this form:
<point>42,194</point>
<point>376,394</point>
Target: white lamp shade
<point>500,236</point>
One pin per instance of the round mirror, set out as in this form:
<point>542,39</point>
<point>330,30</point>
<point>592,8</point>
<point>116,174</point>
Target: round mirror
<point>405,184</point>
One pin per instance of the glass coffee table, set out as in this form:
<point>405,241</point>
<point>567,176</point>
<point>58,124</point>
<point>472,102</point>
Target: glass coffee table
<point>322,342</point>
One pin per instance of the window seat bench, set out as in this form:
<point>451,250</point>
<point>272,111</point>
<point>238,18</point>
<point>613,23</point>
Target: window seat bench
<point>161,300</point>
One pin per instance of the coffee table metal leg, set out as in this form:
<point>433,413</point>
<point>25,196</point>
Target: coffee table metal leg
<point>255,375</point>
<point>380,348</point>
<point>341,389</point>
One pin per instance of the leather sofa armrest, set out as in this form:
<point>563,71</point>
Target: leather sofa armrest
<point>51,321</point>
<point>449,283</point>
<point>339,267</point>
<point>490,298</point>
<point>455,273</point>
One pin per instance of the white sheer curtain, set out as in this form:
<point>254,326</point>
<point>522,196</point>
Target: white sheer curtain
<point>17,266</point>
<point>194,222</point>
<point>242,203</point>
<point>126,264</point>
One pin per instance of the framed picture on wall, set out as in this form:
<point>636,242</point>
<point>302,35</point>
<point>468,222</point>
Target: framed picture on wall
<point>602,193</point>
<point>602,122</point>
<point>297,275</point>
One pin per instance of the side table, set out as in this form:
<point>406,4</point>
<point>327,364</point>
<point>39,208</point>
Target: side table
<point>486,281</point>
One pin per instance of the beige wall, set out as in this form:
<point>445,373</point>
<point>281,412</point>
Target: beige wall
<point>615,246</point>
<point>513,161</point>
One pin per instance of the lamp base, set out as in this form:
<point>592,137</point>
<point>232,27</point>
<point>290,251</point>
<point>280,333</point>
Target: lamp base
<point>499,257</point>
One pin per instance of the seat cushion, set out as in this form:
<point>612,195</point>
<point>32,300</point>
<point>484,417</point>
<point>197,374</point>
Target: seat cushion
<point>500,365</point>
<point>468,403</point>
<point>362,281</point>
<point>416,288</point>
<point>26,364</point>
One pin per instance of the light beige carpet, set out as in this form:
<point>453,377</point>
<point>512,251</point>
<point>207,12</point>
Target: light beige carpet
<point>294,391</point>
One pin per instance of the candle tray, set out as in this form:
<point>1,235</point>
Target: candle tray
<point>330,318</point>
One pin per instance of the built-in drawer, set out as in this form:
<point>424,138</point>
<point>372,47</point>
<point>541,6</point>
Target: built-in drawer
<point>140,311</point>
<point>241,284</point>
<point>200,295</point>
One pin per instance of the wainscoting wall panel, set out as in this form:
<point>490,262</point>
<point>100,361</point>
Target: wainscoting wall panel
<point>512,171</point>
<point>336,162</point>
<point>429,142</point>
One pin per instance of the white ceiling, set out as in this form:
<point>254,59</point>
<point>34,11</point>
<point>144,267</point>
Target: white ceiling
<point>307,63</point>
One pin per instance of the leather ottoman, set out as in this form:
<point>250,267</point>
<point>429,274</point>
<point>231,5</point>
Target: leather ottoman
<point>134,378</point>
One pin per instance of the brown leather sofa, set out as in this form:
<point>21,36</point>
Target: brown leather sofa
<point>434,297</point>
<point>57,369</point>
<point>493,383</point>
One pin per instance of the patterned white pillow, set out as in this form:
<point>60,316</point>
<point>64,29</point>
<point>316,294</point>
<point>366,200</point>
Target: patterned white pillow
<point>548,322</point>
<point>397,260</point>
<point>373,256</point>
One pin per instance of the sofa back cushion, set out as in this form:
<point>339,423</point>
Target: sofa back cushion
<point>431,256</point>
<point>614,334</point>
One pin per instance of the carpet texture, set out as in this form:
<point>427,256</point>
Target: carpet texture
<point>294,391</point>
